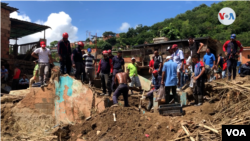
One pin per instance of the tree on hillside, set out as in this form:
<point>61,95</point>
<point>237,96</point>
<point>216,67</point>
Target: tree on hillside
<point>108,33</point>
<point>87,40</point>
<point>53,44</point>
<point>106,46</point>
<point>99,43</point>
<point>111,40</point>
<point>171,32</point>
<point>123,35</point>
<point>131,32</point>
<point>200,22</point>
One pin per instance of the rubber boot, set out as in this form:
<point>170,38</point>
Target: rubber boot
<point>150,104</point>
<point>195,100</point>
<point>200,100</point>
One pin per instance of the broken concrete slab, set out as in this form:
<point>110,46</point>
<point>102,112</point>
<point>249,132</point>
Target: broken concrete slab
<point>145,83</point>
<point>67,100</point>
<point>20,92</point>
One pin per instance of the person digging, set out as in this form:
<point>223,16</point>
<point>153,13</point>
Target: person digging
<point>121,80</point>
<point>156,83</point>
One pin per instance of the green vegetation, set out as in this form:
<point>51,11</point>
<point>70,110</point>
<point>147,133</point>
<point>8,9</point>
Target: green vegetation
<point>54,44</point>
<point>53,55</point>
<point>202,21</point>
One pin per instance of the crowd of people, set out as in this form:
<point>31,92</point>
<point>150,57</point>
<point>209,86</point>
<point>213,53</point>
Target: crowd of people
<point>172,73</point>
<point>178,69</point>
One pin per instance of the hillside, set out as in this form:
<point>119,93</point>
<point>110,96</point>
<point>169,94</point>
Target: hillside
<point>200,22</point>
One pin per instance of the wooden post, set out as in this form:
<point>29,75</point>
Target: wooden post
<point>44,34</point>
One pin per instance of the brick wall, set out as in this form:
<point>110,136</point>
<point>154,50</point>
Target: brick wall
<point>5,33</point>
<point>245,54</point>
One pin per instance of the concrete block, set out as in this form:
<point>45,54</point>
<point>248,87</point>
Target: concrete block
<point>183,98</point>
<point>74,100</point>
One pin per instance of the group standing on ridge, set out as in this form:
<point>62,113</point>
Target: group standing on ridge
<point>172,73</point>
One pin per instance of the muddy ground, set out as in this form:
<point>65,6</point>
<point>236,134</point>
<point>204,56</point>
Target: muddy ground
<point>130,124</point>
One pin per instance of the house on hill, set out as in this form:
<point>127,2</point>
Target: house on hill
<point>161,46</point>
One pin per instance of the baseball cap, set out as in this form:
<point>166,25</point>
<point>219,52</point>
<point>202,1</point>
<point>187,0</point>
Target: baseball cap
<point>174,46</point>
<point>169,57</point>
<point>233,36</point>
<point>132,58</point>
<point>169,47</point>
<point>119,51</point>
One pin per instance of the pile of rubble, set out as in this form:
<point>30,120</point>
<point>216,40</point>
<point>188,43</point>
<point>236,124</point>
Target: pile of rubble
<point>226,103</point>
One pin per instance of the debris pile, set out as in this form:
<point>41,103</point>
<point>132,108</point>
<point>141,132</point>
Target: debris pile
<point>227,103</point>
<point>232,103</point>
<point>128,124</point>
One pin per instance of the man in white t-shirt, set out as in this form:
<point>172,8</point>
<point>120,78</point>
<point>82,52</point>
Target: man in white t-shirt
<point>178,58</point>
<point>43,55</point>
<point>188,60</point>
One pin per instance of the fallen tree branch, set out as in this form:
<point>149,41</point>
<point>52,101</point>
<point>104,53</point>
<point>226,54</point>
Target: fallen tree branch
<point>194,134</point>
<point>214,130</point>
<point>188,133</point>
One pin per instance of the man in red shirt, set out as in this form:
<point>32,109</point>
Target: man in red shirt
<point>224,69</point>
<point>151,65</point>
<point>105,67</point>
<point>232,49</point>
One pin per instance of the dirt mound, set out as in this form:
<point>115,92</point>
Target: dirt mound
<point>7,121</point>
<point>129,125</point>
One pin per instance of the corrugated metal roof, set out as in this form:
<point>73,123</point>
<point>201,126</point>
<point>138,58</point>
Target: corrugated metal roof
<point>167,42</point>
<point>23,28</point>
<point>5,6</point>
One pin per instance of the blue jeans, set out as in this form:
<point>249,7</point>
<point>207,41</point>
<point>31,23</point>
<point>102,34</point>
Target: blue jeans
<point>231,65</point>
<point>65,63</point>
<point>121,89</point>
<point>182,79</point>
<point>223,74</point>
<point>187,78</point>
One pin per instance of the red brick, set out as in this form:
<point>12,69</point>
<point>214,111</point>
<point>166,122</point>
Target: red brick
<point>4,56</point>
